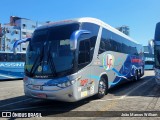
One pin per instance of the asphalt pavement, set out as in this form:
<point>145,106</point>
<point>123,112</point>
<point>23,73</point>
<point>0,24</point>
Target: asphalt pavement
<point>132,100</point>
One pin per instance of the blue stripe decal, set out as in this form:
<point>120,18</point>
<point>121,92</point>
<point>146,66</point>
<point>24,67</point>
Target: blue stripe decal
<point>114,83</point>
<point>55,82</point>
<point>117,73</point>
<point>127,70</point>
<point>95,77</point>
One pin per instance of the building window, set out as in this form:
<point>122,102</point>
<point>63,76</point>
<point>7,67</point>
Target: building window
<point>24,49</point>
<point>7,47</point>
<point>16,32</point>
<point>9,40</point>
<point>7,31</point>
<point>33,26</point>
<point>14,39</point>
<point>24,26</point>
<point>24,33</point>
<point>28,35</point>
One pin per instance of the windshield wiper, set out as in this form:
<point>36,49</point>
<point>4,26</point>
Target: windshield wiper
<point>51,62</point>
<point>37,62</point>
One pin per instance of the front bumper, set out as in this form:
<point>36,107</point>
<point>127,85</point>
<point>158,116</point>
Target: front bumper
<point>64,94</point>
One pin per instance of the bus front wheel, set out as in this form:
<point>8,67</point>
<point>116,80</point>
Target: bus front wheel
<point>102,88</point>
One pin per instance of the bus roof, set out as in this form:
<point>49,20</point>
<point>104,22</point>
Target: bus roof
<point>90,20</point>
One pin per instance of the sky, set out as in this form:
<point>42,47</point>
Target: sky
<point>140,15</point>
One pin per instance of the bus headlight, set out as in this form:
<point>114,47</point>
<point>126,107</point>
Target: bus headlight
<point>63,85</point>
<point>72,82</point>
<point>59,85</point>
<point>66,84</point>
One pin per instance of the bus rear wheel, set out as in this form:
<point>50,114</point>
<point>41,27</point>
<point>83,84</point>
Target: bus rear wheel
<point>102,88</point>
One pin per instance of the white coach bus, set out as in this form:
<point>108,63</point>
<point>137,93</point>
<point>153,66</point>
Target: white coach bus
<point>74,59</point>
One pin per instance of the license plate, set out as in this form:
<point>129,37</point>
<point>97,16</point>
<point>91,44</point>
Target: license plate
<point>41,95</point>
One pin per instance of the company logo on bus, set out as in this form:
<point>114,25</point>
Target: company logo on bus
<point>108,61</point>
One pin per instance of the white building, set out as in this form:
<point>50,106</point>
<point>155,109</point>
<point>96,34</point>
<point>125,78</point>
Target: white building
<point>18,28</point>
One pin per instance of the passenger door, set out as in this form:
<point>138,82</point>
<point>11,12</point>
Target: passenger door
<point>84,59</point>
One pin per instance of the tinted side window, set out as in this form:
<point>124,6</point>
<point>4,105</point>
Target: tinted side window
<point>15,58</point>
<point>23,57</point>
<point>113,42</point>
<point>92,37</point>
<point>105,43</point>
<point>91,27</point>
<point>10,57</point>
<point>3,57</point>
<point>109,42</point>
<point>84,52</point>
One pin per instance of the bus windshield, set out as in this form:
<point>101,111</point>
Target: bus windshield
<point>49,54</point>
<point>157,56</point>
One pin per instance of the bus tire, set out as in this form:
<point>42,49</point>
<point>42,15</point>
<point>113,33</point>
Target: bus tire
<point>140,73</point>
<point>136,75</point>
<point>102,88</point>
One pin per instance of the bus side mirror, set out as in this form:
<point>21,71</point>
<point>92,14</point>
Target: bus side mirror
<point>157,32</point>
<point>151,46</point>
<point>18,42</point>
<point>74,37</point>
